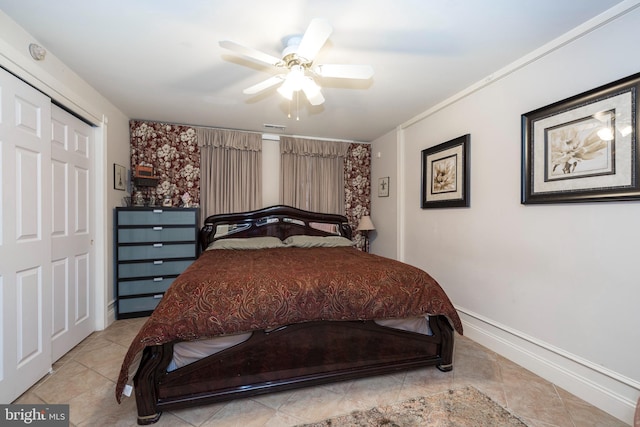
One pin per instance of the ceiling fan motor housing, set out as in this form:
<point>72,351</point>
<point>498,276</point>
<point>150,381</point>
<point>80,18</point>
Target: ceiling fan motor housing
<point>290,53</point>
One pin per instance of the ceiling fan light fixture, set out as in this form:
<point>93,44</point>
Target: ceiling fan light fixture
<point>310,87</point>
<point>312,92</point>
<point>294,82</point>
<point>286,91</point>
<point>316,99</point>
<point>296,77</point>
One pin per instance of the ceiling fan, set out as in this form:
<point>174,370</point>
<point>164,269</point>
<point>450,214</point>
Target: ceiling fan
<point>298,69</point>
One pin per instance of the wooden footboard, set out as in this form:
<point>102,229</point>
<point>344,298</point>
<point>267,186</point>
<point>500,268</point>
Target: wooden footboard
<point>290,357</point>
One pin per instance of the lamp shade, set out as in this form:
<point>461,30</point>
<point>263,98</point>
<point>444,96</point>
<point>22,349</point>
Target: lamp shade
<point>365,224</point>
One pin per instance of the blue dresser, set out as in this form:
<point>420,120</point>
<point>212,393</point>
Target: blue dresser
<point>152,247</point>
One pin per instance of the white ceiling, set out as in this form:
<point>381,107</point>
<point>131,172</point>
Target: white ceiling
<point>160,60</point>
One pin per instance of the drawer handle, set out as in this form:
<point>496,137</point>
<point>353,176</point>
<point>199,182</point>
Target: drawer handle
<point>157,228</point>
<point>157,262</point>
<point>157,245</point>
<point>158,279</point>
<point>158,296</point>
<point>157,211</point>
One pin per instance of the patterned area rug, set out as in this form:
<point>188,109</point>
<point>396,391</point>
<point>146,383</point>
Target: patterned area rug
<point>462,407</point>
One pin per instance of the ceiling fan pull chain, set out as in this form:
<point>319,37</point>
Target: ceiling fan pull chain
<point>298,105</point>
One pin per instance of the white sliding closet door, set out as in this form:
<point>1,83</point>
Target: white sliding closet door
<point>25,236</point>
<point>72,226</point>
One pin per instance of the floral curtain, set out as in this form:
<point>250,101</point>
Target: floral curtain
<point>357,187</point>
<point>172,150</point>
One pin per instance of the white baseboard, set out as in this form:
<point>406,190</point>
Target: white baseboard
<point>604,389</point>
<point>111,313</point>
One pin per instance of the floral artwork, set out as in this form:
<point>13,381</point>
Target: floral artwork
<point>583,148</point>
<point>578,150</point>
<point>445,174</point>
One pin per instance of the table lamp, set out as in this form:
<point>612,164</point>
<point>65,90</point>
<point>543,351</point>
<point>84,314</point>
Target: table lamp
<point>365,226</point>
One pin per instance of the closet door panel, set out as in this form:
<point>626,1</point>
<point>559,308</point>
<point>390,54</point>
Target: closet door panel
<point>31,335</point>
<point>82,201</point>
<point>59,281</point>
<point>72,230</point>
<point>25,243</point>
<point>28,195</point>
<point>59,184</point>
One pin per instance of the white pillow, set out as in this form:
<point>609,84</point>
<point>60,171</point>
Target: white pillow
<point>264,242</point>
<point>317,241</point>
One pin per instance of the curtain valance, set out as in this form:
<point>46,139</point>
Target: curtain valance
<point>229,139</point>
<point>312,147</point>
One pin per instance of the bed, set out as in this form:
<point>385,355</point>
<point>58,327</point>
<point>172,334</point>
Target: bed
<point>280,299</point>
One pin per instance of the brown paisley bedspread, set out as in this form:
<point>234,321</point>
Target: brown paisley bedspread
<point>233,291</point>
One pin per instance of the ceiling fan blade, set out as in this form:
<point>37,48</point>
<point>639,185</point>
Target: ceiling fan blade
<point>266,84</point>
<point>251,53</point>
<point>339,71</point>
<point>314,38</point>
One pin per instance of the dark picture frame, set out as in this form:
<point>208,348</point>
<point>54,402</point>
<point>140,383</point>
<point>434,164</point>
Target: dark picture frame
<point>119,177</point>
<point>446,174</point>
<point>383,187</point>
<point>583,148</point>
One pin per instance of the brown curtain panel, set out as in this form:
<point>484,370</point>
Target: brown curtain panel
<point>231,171</point>
<point>312,174</point>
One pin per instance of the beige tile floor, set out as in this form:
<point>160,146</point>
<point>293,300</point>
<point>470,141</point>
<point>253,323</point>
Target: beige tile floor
<point>85,379</point>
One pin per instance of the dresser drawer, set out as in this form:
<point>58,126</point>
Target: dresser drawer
<point>156,251</point>
<point>157,217</point>
<point>156,234</point>
<point>132,305</point>
<point>145,286</point>
<point>152,269</point>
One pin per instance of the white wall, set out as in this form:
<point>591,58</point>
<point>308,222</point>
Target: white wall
<point>384,240</point>
<point>62,85</point>
<point>553,287</point>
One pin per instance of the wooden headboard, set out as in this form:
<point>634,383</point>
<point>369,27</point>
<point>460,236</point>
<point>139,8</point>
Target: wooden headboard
<point>278,221</point>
